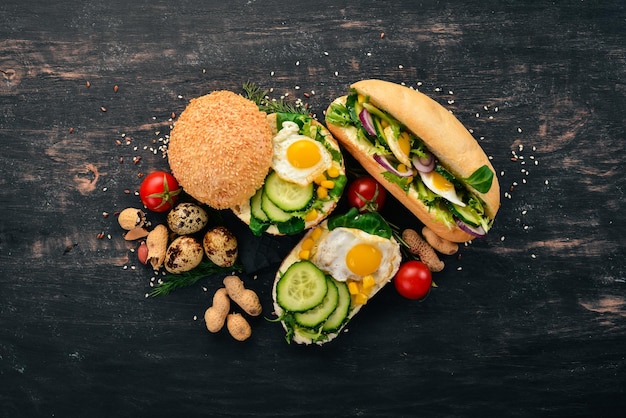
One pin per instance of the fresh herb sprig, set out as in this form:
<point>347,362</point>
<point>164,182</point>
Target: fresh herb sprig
<point>267,105</point>
<point>172,282</point>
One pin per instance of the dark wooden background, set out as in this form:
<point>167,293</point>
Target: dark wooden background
<point>531,321</point>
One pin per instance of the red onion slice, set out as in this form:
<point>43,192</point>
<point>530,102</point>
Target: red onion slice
<point>478,232</point>
<point>424,164</point>
<point>367,122</point>
<point>380,159</point>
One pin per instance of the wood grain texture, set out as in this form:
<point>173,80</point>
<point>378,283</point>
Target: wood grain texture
<point>528,322</point>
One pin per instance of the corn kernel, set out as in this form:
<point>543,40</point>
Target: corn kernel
<point>307,244</point>
<point>328,184</point>
<point>304,254</point>
<point>402,168</point>
<point>353,288</point>
<point>319,179</point>
<point>384,123</point>
<point>360,299</point>
<point>368,282</point>
<point>333,172</point>
<point>311,216</point>
<point>322,192</point>
<point>316,234</point>
<point>360,98</point>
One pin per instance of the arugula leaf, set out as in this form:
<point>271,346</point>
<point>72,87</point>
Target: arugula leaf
<point>370,222</point>
<point>481,179</point>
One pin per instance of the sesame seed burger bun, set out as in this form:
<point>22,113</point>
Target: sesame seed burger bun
<point>220,149</point>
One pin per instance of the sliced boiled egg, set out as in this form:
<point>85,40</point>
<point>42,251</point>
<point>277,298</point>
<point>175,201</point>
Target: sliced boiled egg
<point>298,158</point>
<point>440,185</point>
<point>400,145</point>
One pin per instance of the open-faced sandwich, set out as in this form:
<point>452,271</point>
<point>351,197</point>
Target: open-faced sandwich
<point>332,273</point>
<point>281,173</point>
<point>421,153</point>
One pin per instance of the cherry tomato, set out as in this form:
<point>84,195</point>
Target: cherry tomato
<point>159,191</point>
<point>413,280</point>
<point>366,194</point>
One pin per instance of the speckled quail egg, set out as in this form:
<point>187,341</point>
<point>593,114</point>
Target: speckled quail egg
<point>220,246</point>
<point>183,254</point>
<point>187,218</point>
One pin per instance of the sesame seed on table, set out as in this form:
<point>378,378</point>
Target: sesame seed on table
<point>528,321</point>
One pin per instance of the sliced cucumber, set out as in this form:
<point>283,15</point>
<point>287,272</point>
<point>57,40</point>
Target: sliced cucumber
<point>466,214</point>
<point>272,211</point>
<point>287,196</point>
<point>255,206</point>
<point>340,314</point>
<point>315,316</point>
<point>302,287</point>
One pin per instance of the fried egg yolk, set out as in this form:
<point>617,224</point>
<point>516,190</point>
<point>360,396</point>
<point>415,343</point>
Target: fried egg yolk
<point>363,259</point>
<point>303,154</point>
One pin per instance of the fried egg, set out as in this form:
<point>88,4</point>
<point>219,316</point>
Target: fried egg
<point>440,185</point>
<point>298,158</point>
<point>348,253</point>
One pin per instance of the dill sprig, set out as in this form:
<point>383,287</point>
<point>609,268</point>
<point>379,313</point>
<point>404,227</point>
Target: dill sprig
<point>267,105</point>
<point>172,282</point>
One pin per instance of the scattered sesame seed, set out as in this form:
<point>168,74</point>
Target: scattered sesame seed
<point>519,130</point>
<point>502,238</point>
<point>195,317</point>
<point>400,66</point>
<point>272,74</point>
<point>533,256</point>
<point>325,53</point>
<point>297,63</point>
<point>104,189</point>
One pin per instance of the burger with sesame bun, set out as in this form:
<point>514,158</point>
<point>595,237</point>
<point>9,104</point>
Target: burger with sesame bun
<point>421,153</point>
<point>280,173</point>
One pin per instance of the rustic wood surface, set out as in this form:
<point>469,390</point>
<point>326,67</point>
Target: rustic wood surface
<point>530,321</point>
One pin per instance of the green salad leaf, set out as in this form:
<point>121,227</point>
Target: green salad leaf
<point>370,222</point>
<point>481,179</point>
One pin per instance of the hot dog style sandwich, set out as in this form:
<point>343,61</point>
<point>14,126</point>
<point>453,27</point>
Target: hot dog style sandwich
<point>421,154</point>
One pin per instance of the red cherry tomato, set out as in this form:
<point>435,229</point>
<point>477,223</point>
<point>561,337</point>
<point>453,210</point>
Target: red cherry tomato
<point>366,194</point>
<point>159,191</point>
<point>413,280</point>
